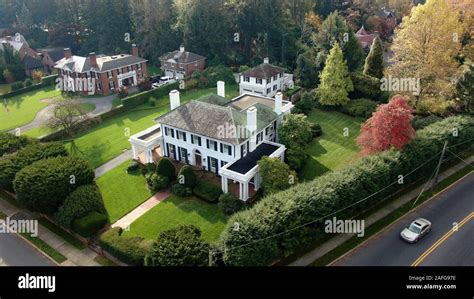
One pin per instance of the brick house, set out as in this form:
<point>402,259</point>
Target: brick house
<point>181,64</point>
<point>30,58</point>
<point>100,73</point>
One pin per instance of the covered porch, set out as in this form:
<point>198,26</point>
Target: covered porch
<point>146,142</point>
<point>245,171</point>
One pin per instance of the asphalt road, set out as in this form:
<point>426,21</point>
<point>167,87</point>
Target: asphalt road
<point>14,251</point>
<point>454,249</point>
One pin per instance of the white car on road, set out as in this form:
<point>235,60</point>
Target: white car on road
<point>416,230</point>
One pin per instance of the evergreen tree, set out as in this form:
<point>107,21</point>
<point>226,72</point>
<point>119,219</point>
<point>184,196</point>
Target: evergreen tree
<point>335,80</point>
<point>374,62</point>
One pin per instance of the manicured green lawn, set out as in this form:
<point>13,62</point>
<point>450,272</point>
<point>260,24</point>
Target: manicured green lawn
<point>174,211</point>
<point>122,192</point>
<point>332,150</point>
<point>22,109</point>
<point>153,70</point>
<point>109,138</point>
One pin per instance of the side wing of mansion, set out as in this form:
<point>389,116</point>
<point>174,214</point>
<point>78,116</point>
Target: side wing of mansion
<point>226,137</point>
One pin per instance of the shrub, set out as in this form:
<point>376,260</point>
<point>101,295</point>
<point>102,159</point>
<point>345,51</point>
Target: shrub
<point>9,166</point>
<point>78,204</point>
<point>305,104</point>
<point>316,130</point>
<point>144,84</point>
<point>276,175</point>
<point>123,92</point>
<point>36,75</point>
<point>89,224</point>
<point>17,86</point>
<point>207,191</point>
<point>133,166</point>
<point>181,190</point>
<point>179,246</point>
<point>296,157</point>
<point>28,82</point>
<point>166,168</point>
<point>44,185</point>
<point>10,143</point>
<point>152,102</point>
<point>295,130</point>
<point>359,108</point>
<point>150,167</point>
<point>434,105</point>
<point>49,80</point>
<point>187,177</point>
<point>229,204</point>
<point>332,192</point>
<point>130,250</point>
<point>156,182</point>
<point>367,87</point>
<point>420,122</point>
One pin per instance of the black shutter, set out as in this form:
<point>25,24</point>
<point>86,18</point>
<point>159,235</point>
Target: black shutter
<point>174,151</point>
<point>217,166</point>
<point>215,146</point>
<point>184,136</point>
<point>192,138</point>
<point>199,141</point>
<point>229,149</point>
<point>222,148</point>
<point>166,131</point>
<point>186,157</point>
<point>179,154</point>
<point>207,143</point>
<point>172,133</point>
<point>208,163</point>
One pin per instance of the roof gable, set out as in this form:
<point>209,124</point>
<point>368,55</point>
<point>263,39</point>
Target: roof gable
<point>264,71</point>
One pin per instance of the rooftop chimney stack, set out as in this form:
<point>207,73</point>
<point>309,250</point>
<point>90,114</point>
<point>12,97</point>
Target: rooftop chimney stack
<point>181,49</point>
<point>93,59</point>
<point>135,50</point>
<point>221,88</point>
<point>174,99</point>
<point>67,53</point>
<point>278,102</point>
<point>252,127</point>
<point>266,60</point>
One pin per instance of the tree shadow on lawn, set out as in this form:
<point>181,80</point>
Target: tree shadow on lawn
<point>208,211</point>
<point>312,169</point>
<point>92,154</point>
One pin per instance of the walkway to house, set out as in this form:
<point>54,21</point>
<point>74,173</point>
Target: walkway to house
<point>150,203</point>
<point>122,158</point>
<point>313,255</point>
<point>75,257</point>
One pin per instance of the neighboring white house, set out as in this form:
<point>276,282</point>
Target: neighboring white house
<point>265,80</point>
<point>227,137</point>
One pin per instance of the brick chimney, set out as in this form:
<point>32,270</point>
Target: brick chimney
<point>93,59</point>
<point>67,53</point>
<point>135,50</point>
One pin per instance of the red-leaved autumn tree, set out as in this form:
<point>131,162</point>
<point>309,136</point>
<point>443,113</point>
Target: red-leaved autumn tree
<point>390,126</point>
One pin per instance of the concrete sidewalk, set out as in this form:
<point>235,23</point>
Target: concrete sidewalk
<point>150,203</point>
<point>338,240</point>
<point>75,257</point>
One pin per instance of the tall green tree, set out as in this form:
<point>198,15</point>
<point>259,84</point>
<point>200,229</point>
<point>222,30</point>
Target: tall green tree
<point>335,80</point>
<point>374,64</point>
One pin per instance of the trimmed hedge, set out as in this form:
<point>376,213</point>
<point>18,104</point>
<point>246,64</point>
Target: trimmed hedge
<point>207,191</point>
<point>142,97</point>
<point>10,143</point>
<point>229,204</point>
<point>263,236</point>
<point>166,168</point>
<point>22,90</point>
<point>89,224</point>
<point>44,185</point>
<point>359,108</point>
<point>130,250</point>
<point>187,177</point>
<point>156,182</point>
<point>17,85</point>
<point>181,190</point>
<point>9,166</point>
<point>78,204</point>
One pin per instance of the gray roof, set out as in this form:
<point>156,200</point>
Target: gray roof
<point>181,57</point>
<point>56,54</point>
<point>82,64</point>
<point>31,63</point>
<point>209,120</point>
<point>264,71</point>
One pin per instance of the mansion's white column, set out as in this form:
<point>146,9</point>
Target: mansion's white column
<point>148,156</point>
<point>224,184</point>
<point>241,191</point>
<point>246,190</point>
<point>256,181</point>
<point>134,152</point>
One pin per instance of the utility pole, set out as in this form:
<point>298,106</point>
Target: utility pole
<point>435,178</point>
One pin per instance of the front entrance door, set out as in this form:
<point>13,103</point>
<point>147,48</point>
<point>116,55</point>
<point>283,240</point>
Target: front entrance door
<point>198,159</point>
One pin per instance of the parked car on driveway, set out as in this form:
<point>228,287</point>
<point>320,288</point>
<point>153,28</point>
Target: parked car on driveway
<point>416,230</point>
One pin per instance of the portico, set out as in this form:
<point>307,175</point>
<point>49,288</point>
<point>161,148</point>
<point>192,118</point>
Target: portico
<point>146,141</point>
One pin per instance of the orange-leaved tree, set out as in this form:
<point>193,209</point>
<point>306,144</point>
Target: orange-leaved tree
<point>390,126</point>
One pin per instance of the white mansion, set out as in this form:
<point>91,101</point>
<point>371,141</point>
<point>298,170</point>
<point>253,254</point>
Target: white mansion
<point>227,137</point>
